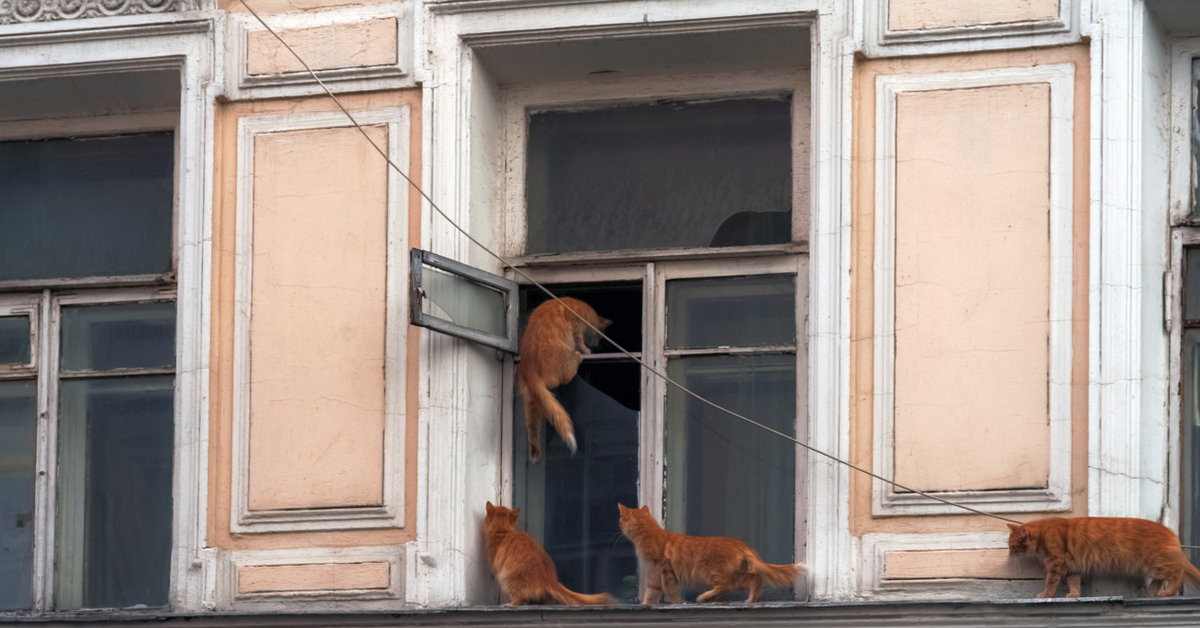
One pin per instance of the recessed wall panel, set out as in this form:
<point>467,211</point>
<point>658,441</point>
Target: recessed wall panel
<point>318,311</point>
<point>972,288</point>
<point>906,15</point>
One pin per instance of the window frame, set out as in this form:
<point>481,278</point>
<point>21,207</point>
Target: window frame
<point>182,43</point>
<point>654,267</point>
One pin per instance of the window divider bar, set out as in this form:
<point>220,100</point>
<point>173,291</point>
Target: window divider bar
<point>122,372</point>
<point>764,350</point>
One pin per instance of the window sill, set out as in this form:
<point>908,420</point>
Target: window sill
<point>1096,611</point>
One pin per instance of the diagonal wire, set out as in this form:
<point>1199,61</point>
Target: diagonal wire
<point>531,280</point>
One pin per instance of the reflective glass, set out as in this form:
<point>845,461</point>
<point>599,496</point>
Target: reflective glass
<point>1190,524</point>
<point>120,335</point>
<point>115,456</point>
<point>14,340</point>
<point>86,207</point>
<point>18,440</point>
<point>725,477</point>
<point>665,175</point>
<point>731,312</point>
<point>464,302</point>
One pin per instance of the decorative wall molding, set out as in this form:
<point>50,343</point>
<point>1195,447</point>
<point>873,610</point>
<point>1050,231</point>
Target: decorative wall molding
<point>1056,496</point>
<point>25,11</point>
<point>244,85</point>
<point>877,548</point>
<point>882,41</point>
<point>381,588</point>
<point>391,512</point>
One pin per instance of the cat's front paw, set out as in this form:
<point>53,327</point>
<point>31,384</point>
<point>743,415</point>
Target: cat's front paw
<point>1045,595</point>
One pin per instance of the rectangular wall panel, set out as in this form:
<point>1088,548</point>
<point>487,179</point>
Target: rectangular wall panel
<point>923,14</point>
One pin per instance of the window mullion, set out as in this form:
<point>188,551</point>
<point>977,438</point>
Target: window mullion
<point>43,569</point>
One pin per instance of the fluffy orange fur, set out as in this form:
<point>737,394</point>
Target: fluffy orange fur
<point>554,344</point>
<point>523,569</point>
<point>723,563</point>
<point>1111,545</point>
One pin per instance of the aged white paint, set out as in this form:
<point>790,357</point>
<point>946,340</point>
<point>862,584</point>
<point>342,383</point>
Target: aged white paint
<point>882,40</point>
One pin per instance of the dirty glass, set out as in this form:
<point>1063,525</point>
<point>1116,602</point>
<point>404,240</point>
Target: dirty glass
<point>569,502</point>
<point>1190,413</point>
<point>14,340</point>
<point>731,312</point>
<point>116,443</point>
<point>122,335</point>
<point>663,175</point>
<point>1195,158</point>
<point>725,477</point>
<point>18,439</point>
<point>86,207</point>
<point>462,301</point>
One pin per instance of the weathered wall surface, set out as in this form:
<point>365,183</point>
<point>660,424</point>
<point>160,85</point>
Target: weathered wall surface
<point>906,15</point>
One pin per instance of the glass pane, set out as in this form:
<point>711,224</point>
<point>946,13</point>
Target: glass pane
<point>1191,289</point>
<point>464,302</point>
<point>731,312</point>
<point>86,207</point>
<point>660,176</point>
<point>14,340</point>
<point>1195,136</point>
<point>569,503</point>
<point>1190,524</point>
<point>18,440</point>
<point>116,451</point>
<point>121,335</point>
<point>725,477</point>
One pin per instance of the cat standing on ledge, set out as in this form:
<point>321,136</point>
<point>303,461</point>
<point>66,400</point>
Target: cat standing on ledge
<point>523,569</point>
<point>553,347</point>
<point>725,564</point>
<point>1112,545</point>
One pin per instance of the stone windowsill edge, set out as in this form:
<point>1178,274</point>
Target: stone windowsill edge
<point>1092,612</point>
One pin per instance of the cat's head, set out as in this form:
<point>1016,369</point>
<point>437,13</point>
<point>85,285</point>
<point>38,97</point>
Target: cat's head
<point>499,517</point>
<point>633,515</point>
<point>1018,540</point>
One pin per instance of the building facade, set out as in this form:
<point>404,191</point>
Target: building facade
<point>948,242</point>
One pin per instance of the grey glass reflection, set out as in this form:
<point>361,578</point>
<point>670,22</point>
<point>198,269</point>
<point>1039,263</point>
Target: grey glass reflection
<point>116,452</point>
<point>464,302</point>
<point>18,440</point>
<point>86,207</point>
<point>120,335</point>
<point>14,340</point>
<point>1191,292</point>
<point>731,312</point>
<point>725,477</point>
<point>1195,157</point>
<point>1190,524</point>
<point>660,176</point>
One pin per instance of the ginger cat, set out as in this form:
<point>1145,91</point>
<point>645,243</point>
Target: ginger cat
<point>554,345</point>
<point>522,567</point>
<point>1111,545</point>
<point>724,564</point>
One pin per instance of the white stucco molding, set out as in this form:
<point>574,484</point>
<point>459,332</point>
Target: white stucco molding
<point>287,594</point>
<point>1056,495</point>
<point>882,40</point>
<point>243,85</point>
<point>391,512</point>
<point>877,585</point>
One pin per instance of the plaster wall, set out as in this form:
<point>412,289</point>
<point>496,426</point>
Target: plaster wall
<point>972,288</point>
<point>904,15</point>
<point>317,327</point>
<point>1021,442</point>
<point>360,44</point>
<point>314,577</point>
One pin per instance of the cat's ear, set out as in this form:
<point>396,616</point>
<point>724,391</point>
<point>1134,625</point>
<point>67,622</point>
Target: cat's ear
<point>621,507</point>
<point>1024,534</point>
<point>1012,526</point>
<point>512,514</point>
<point>490,508</point>
<point>646,508</point>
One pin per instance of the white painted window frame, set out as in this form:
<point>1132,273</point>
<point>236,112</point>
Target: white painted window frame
<point>391,512</point>
<point>881,40</point>
<point>23,305</point>
<point>1056,496</point>
<point>184,42</point>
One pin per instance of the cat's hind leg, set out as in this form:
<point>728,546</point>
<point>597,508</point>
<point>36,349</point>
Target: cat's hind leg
<point>1154,587</point>
<point>755,582</point>
<point>1170,585</point>
<point>1073,582</point>
<point>670,583</point>
<point>721,585</point>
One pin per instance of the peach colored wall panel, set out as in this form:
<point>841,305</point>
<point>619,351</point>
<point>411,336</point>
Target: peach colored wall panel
<point>905,15</point>
<point>361,44</point>
<point>317,320</point>
<point>316,577</point>
<point>923,564</point>
<point>972,288</point>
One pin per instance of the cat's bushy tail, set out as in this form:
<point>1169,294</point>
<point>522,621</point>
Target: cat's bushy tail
<point>1191,575</point>
<point>775,575</point>
<point>569,597</point>
<point>540,402</point>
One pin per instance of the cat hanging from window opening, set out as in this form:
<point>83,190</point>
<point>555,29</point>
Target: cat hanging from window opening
<point>554,345</point>
<point>1117,546</point>
<point>523,569</point>
<point>723,563</point>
